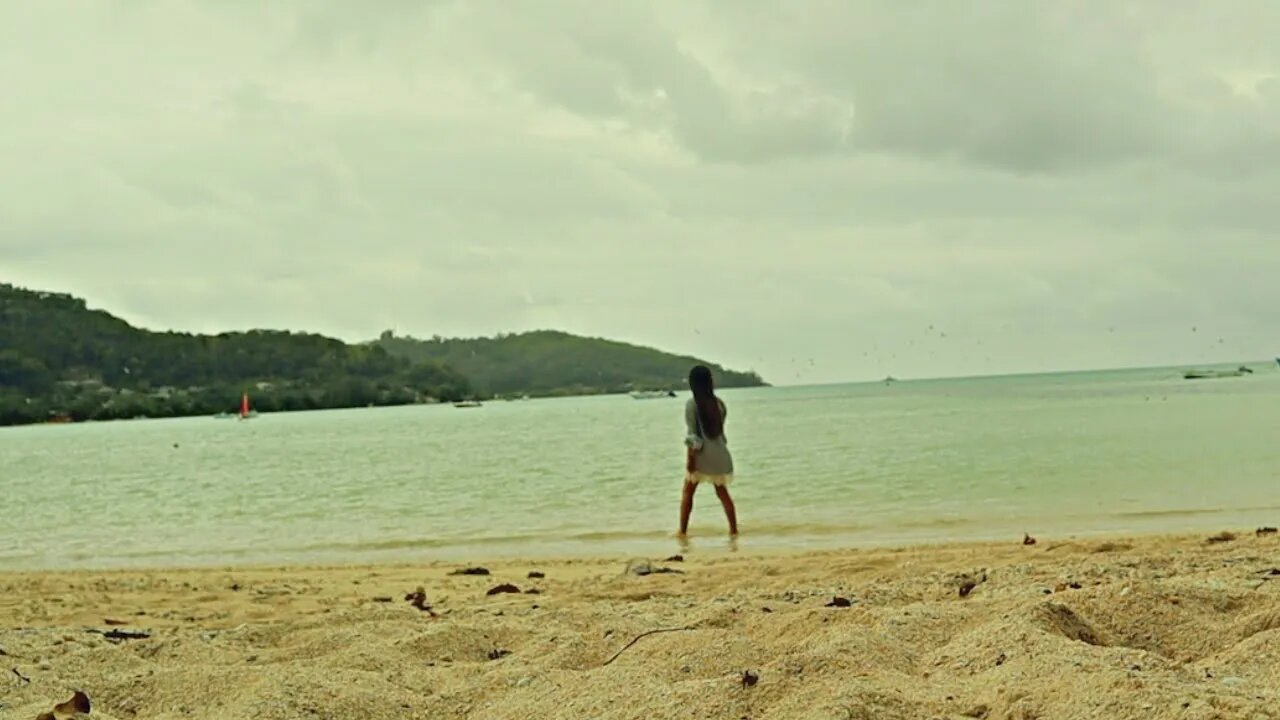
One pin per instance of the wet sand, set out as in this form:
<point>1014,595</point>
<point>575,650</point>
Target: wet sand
<point>1151,627</point>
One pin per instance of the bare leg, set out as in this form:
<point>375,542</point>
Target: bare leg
<point>730,512</point>
<point>686,507</point>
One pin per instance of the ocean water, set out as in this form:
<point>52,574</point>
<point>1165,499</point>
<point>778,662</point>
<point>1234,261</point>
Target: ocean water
<point>1123,451</point>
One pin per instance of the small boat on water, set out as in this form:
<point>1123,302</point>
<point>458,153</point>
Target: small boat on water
<point>1216,374</point>
<point>652,394</point>
<point>245,411</point>
<point>468,404</point>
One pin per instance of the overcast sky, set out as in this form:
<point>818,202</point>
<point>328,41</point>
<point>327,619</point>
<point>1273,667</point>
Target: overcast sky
<point>801,187</point>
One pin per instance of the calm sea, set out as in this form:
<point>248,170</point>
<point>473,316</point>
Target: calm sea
<point>1125,451</point>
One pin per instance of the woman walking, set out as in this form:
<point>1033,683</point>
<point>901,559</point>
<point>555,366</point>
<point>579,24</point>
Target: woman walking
<point>707,456</point>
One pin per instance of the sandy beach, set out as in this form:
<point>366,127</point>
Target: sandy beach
<point>1151,627</point>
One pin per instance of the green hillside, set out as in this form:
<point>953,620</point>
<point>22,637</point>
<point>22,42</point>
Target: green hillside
<point>544,363</point>
<point>58,358</point>
<point>61,360</point>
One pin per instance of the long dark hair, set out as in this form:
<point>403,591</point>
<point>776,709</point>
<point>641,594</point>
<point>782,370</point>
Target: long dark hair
<point>704,396</point>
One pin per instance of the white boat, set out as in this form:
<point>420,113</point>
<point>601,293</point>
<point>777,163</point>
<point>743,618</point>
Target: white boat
<point>652,394</point>
<point>468,404</point>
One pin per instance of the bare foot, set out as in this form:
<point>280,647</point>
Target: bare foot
<point>733,542</point>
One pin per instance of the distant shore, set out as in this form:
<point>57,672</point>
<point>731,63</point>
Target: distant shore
<point>1154,627</point>
<point>475,400</point>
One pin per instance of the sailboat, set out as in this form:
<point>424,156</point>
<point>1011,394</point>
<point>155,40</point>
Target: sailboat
<point>245,412</point>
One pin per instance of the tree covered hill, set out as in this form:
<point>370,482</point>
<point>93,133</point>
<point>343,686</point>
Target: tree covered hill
<point>60,358</point>
<point>555,363</point>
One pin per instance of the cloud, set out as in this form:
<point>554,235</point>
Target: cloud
<point>1019,86</point>
<point>761,182</point>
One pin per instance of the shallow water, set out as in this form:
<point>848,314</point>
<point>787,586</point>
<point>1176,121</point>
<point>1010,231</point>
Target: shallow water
<point>1123,451</point>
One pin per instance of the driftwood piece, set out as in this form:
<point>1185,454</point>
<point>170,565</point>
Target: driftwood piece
<point>645,635</point>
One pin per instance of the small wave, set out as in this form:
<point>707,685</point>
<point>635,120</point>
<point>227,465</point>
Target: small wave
<point>1193,512</point>
<point>402,544</point>
<point>550,536</point>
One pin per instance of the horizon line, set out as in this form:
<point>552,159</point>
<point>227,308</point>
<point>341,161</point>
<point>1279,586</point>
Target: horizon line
<point>1026,373</point>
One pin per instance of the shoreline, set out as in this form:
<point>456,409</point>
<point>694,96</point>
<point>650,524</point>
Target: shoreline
<point>64,418</point>
<point>1123,626</point>
<point>718,553</point>
<point>705,543</point>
